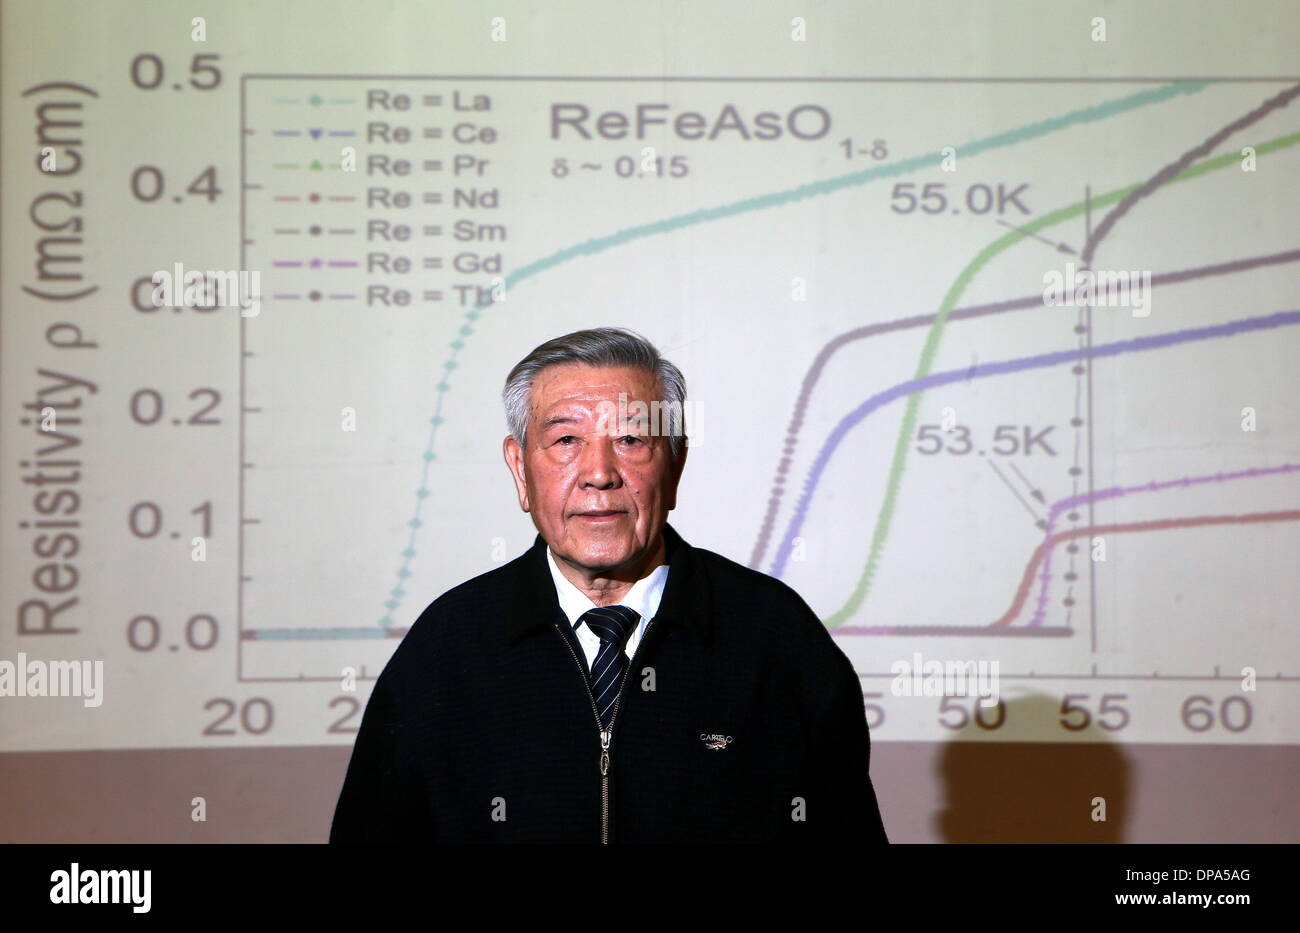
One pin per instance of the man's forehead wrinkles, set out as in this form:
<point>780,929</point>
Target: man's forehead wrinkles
<point>573,406</point>
<point>562,413</point>
<point>588,394</point>
<point>552,416</point>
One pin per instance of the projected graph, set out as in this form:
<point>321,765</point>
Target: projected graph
<point>1100,493</point>
<point>1062,439</point>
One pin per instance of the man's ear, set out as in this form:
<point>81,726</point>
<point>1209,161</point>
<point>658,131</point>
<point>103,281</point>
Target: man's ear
<point>675,476</point>
<point>515,461</point>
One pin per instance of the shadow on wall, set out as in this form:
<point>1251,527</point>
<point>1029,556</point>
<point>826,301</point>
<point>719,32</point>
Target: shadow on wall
<point>1033,791</point>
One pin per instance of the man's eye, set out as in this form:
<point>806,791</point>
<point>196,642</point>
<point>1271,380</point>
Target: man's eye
<point>631,437</point>
<point>567,437</point>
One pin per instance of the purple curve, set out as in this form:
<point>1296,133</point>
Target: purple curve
<point>984,371</point>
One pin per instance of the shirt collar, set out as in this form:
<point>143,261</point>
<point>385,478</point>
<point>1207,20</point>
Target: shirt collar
<point>643,598</point>
<point>532,599</point>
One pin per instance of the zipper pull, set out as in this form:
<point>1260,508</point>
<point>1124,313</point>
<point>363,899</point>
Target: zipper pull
<point>604,751</point>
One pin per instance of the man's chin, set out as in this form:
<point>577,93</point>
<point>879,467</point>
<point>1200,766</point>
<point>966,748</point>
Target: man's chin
<point>599,559</point>
<point>591,553</point>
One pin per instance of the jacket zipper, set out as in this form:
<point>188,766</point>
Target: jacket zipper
<point>606,735</point>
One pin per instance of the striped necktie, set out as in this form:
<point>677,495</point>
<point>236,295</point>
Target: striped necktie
<point>613,624</point>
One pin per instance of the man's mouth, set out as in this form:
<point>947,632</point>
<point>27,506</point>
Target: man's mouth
<point>605,515</point>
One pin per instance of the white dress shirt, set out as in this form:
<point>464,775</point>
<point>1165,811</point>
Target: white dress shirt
<point>642,598</point>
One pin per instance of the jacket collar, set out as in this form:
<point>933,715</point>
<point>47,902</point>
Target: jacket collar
<point>686,600</point>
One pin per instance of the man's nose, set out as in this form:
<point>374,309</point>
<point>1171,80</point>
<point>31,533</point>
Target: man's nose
<point>598,463</point>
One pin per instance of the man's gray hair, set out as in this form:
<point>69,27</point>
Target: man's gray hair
<point>599,346</point>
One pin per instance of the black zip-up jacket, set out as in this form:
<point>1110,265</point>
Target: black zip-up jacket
<point>739,720</point>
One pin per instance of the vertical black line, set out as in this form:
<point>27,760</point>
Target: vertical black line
<point>1092,485</point>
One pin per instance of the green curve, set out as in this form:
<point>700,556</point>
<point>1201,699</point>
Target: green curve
<point>883,519</point>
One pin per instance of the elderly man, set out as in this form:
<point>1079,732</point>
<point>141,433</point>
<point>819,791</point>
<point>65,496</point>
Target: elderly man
<point>613,683</point>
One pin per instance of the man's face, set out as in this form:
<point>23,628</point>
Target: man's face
<point>598,497</point>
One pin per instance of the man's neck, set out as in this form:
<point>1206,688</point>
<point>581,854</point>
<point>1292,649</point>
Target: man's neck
<point>610,587</point>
